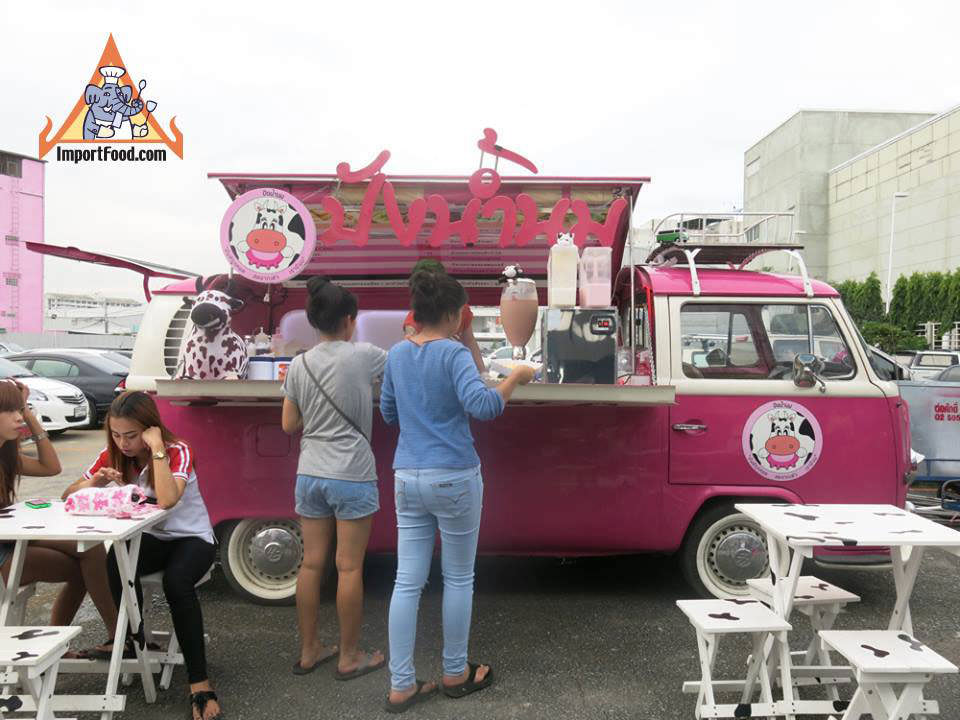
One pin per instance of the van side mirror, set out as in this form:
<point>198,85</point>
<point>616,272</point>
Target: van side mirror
<point>807,369</point>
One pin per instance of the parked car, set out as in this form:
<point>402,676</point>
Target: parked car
<point>951,374</point>
<point>58,405</point>
<point>95,374</point>
<point>927,364</point>
<point>9,347</point>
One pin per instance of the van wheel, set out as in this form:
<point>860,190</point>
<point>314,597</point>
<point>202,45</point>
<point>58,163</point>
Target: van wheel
<point>723,549</point>
<point>261,558</point>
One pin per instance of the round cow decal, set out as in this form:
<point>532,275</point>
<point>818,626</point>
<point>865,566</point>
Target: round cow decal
<point>268,235</point>
<point>782,440</point>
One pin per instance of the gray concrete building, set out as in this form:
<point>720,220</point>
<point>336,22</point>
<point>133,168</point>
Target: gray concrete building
<point>790,169</point>
<point>911,183</point>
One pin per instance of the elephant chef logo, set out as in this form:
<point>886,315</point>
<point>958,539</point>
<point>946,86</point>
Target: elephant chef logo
<point>113,108</point>
<point>782,440</point>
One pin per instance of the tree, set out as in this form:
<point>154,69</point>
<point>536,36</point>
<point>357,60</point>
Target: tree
<point>891,338</point>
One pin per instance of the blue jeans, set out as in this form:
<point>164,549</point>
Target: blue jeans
<point>426,500</point>
<point>318,497</point>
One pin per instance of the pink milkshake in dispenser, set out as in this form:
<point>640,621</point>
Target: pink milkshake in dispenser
<point>596,267</point>
<point>519,307</point>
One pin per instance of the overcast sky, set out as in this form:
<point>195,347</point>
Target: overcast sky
<point>673,90</point>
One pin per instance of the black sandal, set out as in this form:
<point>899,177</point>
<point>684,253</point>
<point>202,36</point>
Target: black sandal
<point>470,685</point>
<point>199,701</point>
<point>418,697</point>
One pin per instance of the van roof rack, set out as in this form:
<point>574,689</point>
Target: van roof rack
<point>732,239</point>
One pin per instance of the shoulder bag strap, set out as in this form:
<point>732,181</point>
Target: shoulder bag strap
<point>332,403</point>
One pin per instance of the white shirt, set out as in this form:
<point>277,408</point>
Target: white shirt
<point>189,517</point>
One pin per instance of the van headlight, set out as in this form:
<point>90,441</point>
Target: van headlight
<point>37,396</point>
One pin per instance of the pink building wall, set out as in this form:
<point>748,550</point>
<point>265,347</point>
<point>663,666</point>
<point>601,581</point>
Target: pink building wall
<point>21,271</point>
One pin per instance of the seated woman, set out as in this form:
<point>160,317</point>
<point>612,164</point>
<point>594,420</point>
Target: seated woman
<point>48,560</point>
<point>463,332</point>
<point>140,449</point>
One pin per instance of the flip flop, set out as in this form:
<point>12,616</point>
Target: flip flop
<point>298,669</point>
<point>418,697</point>
<point>364,668</point>
<point>470,685</point>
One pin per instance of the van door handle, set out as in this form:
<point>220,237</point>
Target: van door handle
<point>689,427</point>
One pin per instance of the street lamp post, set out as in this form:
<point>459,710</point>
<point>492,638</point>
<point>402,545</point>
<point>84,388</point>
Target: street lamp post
<point>893,216</point>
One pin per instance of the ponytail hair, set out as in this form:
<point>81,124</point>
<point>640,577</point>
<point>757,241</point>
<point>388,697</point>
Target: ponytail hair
<point>435,296</point>
<point>328,304</point>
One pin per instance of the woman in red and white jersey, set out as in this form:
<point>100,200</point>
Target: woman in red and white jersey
<point>142,450</point>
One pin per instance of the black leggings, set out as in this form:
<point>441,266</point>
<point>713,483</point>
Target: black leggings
<point>183,561</point>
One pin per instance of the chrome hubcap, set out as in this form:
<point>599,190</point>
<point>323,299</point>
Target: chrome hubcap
<point>737,554</point>
<point>275,551</point>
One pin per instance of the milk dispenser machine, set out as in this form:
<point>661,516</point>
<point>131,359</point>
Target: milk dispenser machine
<point>579,342</point>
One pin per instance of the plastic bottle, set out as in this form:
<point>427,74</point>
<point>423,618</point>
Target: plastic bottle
<point>562,272</point>
<point>595,276</point>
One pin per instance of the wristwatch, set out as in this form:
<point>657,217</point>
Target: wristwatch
<point>39,436</point>
<point>160,455</point>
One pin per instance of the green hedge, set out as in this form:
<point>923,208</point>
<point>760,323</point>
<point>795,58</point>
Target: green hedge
<point>917,298</point>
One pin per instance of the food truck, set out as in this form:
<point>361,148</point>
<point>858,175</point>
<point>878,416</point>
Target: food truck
<point>720,393</point>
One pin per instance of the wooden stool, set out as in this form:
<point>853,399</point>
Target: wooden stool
<point>171,656</point>
<point>31,656</point>
<point>822,603</point>
<point>882,659</point>
<point>714,618</point>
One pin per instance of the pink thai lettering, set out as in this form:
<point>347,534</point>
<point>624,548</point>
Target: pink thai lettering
<point>586,225</point>
<point>484,203</point>
<point>344,174</point>
<point>532,227</point>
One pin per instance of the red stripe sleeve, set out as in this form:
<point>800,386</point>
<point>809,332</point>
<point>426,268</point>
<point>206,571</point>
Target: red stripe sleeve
<point>103,460</point>
<point>181,460</point>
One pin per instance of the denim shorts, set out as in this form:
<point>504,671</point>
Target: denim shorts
<point>319,497</point>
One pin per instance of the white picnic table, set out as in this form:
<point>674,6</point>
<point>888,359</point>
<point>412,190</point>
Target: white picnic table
<point>22,524</point>
<point>793,531</point>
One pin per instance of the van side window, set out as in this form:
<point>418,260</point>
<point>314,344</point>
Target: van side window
<point>720,341</point>
<point>760,342</point>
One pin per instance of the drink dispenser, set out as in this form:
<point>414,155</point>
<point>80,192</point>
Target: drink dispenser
<point>562,272</point>
<point>596,276</point>
<point>519,307</point>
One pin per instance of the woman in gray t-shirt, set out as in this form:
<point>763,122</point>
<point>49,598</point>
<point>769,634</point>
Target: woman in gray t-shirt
<point>328,398</point>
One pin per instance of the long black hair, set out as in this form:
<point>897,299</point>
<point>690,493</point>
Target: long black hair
<point>435,296</point>
<point>328,304</point>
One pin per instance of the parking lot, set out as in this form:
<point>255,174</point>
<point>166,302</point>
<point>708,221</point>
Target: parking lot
<point>586,638</point>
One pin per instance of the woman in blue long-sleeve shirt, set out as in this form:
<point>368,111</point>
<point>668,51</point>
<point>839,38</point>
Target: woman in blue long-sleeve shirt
<point>431,387</point>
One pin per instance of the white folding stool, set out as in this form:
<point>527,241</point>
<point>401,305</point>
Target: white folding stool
<point>714,618</point>
<point>883,659</point>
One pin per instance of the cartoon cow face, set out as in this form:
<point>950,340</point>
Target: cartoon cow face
<point>267,234</point>
<point>212,309</point>
<point>783,448</point>
<point>783,433</point>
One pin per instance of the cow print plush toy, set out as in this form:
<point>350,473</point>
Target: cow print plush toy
<point>213,351</point>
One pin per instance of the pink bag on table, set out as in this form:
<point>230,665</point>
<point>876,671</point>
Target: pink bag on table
<point>125,501</point>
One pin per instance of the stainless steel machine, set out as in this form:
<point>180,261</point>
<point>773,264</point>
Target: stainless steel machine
<point>580,345</point>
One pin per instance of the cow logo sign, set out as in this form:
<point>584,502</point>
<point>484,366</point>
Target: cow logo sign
<point>267,235</point>
<point>782,440</point>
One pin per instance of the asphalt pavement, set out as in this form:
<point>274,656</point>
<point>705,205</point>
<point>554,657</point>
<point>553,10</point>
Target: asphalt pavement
<point>587,638</point>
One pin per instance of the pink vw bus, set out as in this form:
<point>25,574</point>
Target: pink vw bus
<point>740,386</point>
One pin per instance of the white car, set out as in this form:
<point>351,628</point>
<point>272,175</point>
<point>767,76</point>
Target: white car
<point>927,364</point>
<point>58,405</point>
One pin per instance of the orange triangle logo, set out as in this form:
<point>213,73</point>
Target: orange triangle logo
<point>111,110</point>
